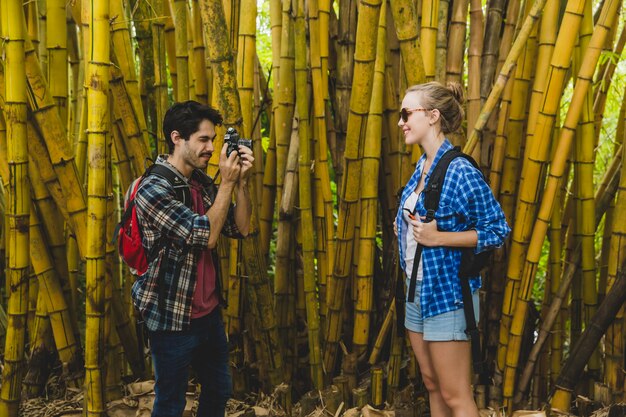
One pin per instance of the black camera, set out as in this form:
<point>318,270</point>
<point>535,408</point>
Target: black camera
<point>231,137</point>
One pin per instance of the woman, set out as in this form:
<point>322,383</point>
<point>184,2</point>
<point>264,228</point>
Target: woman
<point>468,216</point>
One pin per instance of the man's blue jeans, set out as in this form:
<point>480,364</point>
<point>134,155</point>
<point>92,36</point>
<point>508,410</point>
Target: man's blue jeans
<point>202,346</point>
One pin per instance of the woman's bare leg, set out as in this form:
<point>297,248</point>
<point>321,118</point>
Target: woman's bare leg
<point>451,362</point>
<point>438,407</point>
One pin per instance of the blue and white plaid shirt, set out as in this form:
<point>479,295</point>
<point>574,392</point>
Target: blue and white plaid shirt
<point>466,204</point>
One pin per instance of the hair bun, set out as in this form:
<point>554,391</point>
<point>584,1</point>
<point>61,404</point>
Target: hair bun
<point>457,91</point>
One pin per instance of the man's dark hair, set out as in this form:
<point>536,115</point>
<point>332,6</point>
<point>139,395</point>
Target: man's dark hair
<point>185,118</point>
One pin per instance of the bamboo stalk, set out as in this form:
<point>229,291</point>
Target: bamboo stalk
<point>537,145</point>
<point>124,57</point>
<point>160,77</point>
<point>178,9</point>
<point>507,67</point>
<point>474,55</point>
<point>323,204</point>
<point>583,197</point>
<point>582,351</point>
<point>428,36</point>
<point>18,207</point>
<point>98,129</point>
<point>56,44</point>
<point>493,29</point>
<point>456,41</point>
<point>359,105</point>
<point>199,72</point>
<point>604,194</point>
<point>228,102</point>
<point>556,173</point>
<point>344,68</point>
<point>306,214</point>
<point>405,18</point>
<point>364,281</point>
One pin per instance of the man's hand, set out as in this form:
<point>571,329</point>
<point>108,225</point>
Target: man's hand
<point>230,168</point>
<point>426,234</point>
<point>245,159</point>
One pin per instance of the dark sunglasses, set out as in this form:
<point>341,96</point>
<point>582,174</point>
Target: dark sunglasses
<point>405,113</point>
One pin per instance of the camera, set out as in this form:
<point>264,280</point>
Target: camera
<point>231,137</point>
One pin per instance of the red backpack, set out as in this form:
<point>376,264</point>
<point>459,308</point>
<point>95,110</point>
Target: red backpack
<point>128,233</point>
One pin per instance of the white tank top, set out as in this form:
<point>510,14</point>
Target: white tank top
<point>410,243</point>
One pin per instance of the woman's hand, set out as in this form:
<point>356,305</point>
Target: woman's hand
<point>426,234</point>
<point>395,228</point>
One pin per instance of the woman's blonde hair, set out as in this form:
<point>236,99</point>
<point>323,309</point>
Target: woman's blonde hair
<point>447,99</point>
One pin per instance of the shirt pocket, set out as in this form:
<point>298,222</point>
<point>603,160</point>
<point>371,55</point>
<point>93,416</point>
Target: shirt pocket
<point>447,217</point>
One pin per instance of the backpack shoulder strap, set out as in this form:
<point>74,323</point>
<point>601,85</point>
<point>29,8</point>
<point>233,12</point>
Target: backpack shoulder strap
<point>432,191</point>
<point>435,183</point>
<point>181,188</point>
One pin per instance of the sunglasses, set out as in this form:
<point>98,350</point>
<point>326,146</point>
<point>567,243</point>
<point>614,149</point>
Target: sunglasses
<point>405,113</point>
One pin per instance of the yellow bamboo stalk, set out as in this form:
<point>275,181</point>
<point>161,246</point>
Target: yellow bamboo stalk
<point>283,116</point>
<point>98,130</point>
<point>515,127</point>
<point>456,40</point>
<point>405,18</point>
<point>601,94</point>
<point>557,167</point>
<point>369,197</point>
<point>199,58</point>
<point>284,273</point>
<point>77,74</point>
<point>38,26</point>
<point>324,202</point>
<point>245,63</point>
<point>158,26</point>
<point>546,34</point>
<point>442,42</point>
<point>120,156</point>
<point>583,197</point>
<point>41,353</point>
<point>124,58</point>
<point>614,344</point>
<point>178,9</point>
<point>56,44</point>
<point>53,224</point>
<point>305,203</point>
<point>359,105</point>
<point>162,8</point>
<point>341,98</point>
<point>556,271</point>
<point>61,155</point>
<point>124,111</point>
<point>266,215</point>
<point>221,56</point>
<point>57,309</point>
<point>18,211</point>
<point>474,55</point>
<point>428,36</point>
<point>507,68</point>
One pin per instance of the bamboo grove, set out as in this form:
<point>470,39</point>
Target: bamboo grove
<point>311,292</point>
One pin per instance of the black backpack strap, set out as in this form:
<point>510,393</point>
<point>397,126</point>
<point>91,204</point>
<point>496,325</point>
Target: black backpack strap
<point>432,195</point>
<point>181,188</point>
<point>480,366</point>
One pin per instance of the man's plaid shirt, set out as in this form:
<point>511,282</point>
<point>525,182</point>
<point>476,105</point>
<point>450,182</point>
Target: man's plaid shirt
<point>466,203</point>
<point>161,216</point>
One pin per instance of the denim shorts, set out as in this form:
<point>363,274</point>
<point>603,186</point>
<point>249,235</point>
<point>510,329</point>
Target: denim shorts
<point>442,327</point>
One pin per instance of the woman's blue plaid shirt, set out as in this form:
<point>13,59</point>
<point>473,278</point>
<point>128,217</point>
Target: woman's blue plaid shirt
<point>466,203</point>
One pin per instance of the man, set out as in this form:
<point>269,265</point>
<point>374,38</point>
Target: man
<point>179,296</point>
